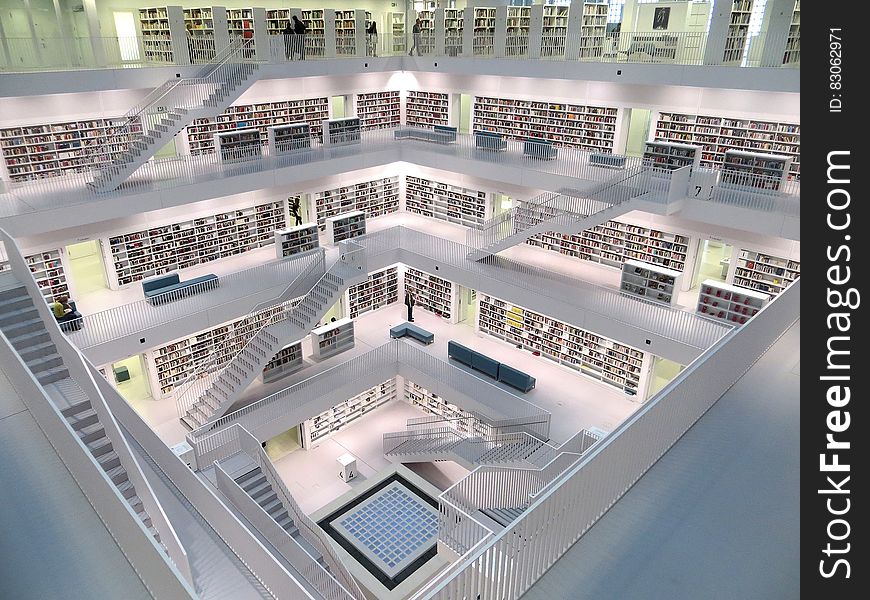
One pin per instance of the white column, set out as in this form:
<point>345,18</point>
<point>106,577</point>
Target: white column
<point>468,31</point>
<point>440,33</point>
<point>777,23</point>
<point>360,31</point>
<point>536,30</point>
<point>500,37</point>
<point>714,54</point>
<point>575,30</point>
<point>329,32</point>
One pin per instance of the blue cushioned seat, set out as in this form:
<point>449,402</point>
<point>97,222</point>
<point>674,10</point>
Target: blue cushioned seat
<point>487,140</point>
<point>155,293</point>
<point>411,330</point>
<point>459,352</point>
<point>155,285</point>
<point>484,364</point>
<point>515,378</point>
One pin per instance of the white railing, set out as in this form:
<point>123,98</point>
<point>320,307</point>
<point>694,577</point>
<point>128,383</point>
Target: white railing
<point>504,569</point>
<point>308,529</point>
<point>482,44</point>
<point>517,45</point>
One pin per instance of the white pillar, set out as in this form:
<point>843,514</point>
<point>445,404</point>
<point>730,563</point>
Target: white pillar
<point>500,36</point>
<point>536,30</point>
<point>777,23</point>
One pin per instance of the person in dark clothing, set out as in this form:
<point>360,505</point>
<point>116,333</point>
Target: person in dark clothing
<point>300,28</point>
<point>372,35</point>
<point>295,206</point>
<point>410,301</point>
<point>289,34</point>
<point>417,32</point>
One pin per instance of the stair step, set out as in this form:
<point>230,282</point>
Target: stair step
<point>109,460</point>
<point>75,409</point>
<point>44,363</point>
<point>100,446</point>
<point>36,351</point>
<point>252,473</point>
<point>259,489</point>
<point>127,489</point>
<point>52,375</point>
<point>28,338</point>
<point>253,482</point>
<point>117,474</point>
<point>271,505</point>
<point>16,290</point>
<point>91,433</point>
<point>9,316</point>
<point>83,419</point>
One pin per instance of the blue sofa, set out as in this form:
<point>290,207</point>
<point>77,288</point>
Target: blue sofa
<point>539,148</point>
<point>156,288</point>
<point>613,161</point>
<point>439,134</point>
<point>497,370</point>
<point>487,140</point>
<point>411,330</point>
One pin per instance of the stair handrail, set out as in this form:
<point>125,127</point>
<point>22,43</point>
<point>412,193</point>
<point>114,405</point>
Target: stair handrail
<point>194,385</point>
<point>309,530</point>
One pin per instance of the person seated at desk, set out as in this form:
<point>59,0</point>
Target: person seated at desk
<point>64,311</point>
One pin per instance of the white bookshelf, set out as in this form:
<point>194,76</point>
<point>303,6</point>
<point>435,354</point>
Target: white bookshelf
<point>313,111</point>
<point>175,362</point>
<point>296,240</point>
<point>593,355</point>
<point>671,155</point>
<point>729,303</point>
<point>208,28</point>
<point>48,271</point>
<point>431,403</point>
<point>163,34</point>
<point>345,226</point>
<point>374,198</point>
<point>288,360</point>
<point>650,281</point>
<point>431,293</point>
<point>584,127</point>
<point>554,30</point>
<point>241,144</point>
<point>755,170</point>
<point>792,54</point>
<point>454,24</point>
<point>349,30</point>
<point>738,30</point>
<point>380,289</point>
<point>315,36</point>
<point>397,30</point>
<point>614,242</point>
<point>427,109</point>
<point>284,139</point>
<point>764,272</point>
<point>379,110</point>
<point>332,338</point>
<point>484,30</point>
<point>340,132</point>
<point>592,30</point>
<point>249,24</point>
<point>45,150</point>
<point>447,202</point>
<point>343,414</point>
<point>148,252</point>
<point>718,134</point>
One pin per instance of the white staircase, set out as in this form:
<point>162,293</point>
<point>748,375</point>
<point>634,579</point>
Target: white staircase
<point>565,211</point>
<point>212,390</point>
<point>167,110</point>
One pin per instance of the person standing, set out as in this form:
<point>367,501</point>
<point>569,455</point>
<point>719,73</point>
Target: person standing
<point>417,32</point>
<point>372,32</point>
<point>410,301</point>
<point>289,34</point>
<point>300,28</point>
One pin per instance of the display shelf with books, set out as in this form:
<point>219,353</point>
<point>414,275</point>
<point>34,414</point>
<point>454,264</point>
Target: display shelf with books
<point>315,35</point>
<point>730,303</point>
<point>208,28</point>
<point>593,355</point>
<point>343,414</point>
<point>554,30</point>
<point>296,240</point>
<point>738,31</point>
<point>340,132</point>
<point>764,272</point>
<point>288,360</point>
<point>283,139</point>
<point>379,110</point>
<point>431,403</point>
<point>45,150</point>
<point>349,30</point>
<point>671,155</point>
<point>792,54</point>
<point>313,111</point>
<point>613,242</point>
<point>248,24</point>
<point>145,253</point>
<point>332,338</point>
<point>447,202</point>
<point>380,289</point>
<point>163,34</point>
<point>650,281</point>
<point>755,170</point>
<point>592,30</point>
<point>585,127</point>
<point>427,109</point>
<point>484,30</point>
<point>374,198</point>
<point>241,144</point>
<point>717,134</point>
<point>454,25</point>
<point>345,226</point>
<point>431,293</point>
<point>47,269</point>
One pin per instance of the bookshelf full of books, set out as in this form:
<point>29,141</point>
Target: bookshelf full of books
<point>287,361</point>
<point>332,338</point>
<point>614,242</point>
<point>374,198</point>
<point>596,356</point>
<point>345,226</point>
<point>671,155</point>
<point>380,289</point>
<point>649,281</point>
<point>432,293</point>
<point>755,170</point>
<point>427,109</point>
<point>208,31</point>
<point>296,240</point>
<point>518,24</point>
<point>342,132</point>
<point>593,28</point>
<point>397,31</point>
<point>48,272</point>
<point>454,25</point>
<point>343,414</point>
<point>716,135</point>
<point>238,145</point>
<point>447,202</point>
<point>379,110</point>
<point>738,31</point>
<point>164,39</point>
<point>260,116</point>
<point>554,29</point>
<point>483,24</point>
<point>148,252</point>
<point>432,404</point>
<point>249,25</point>
<point>735,305</point>
<point>585,127</point>
<point>764,272</point>
<point>792,55</point>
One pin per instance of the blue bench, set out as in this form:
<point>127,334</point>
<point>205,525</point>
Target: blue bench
<point>612,161</point>
<point>156,289</point>
<point>497,370</point>
<point>539,148</point>
<point>487,140</point>
<point>448,134</point>
<point>441,134</point>
<point>413,331</point>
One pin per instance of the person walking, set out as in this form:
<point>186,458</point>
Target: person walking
<point>410,301</point>
<point>289,34</point>
<point>417,32</point>
<point>300,28</point>
<point>372,33</point>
